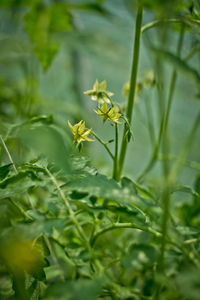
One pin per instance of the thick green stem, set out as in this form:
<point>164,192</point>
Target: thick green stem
<point>133,80</point>
<point>115,163</point>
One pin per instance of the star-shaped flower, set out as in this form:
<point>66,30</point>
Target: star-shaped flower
<point>111,114</point>
<point>99,93</point>
<point>79,132</point>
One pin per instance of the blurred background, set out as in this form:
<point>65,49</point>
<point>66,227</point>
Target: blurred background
<point>52,51</point>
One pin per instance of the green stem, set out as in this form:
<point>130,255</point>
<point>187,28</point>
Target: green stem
<point>115,163</point>
<point>123,225</point>
<point>9,155</point>
<point>192,53</point>
<point>133,80</point>
<point>158,22</point>
<point>173,79</point>
<point>70,211</point>
<point>16,172</point>
<point>150,121</point>
<point>165,119</point>
<point>53,255</point>
<point>103,143</point>
<point>192,164</point>
<point>183,155</point>
<point>74,220</point>
<point>168,181</point>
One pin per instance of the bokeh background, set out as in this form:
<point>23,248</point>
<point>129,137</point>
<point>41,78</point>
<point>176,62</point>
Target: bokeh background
<point>49,56</point>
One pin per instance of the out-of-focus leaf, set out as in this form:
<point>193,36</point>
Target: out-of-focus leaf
<point>13,179</point>
<point>42,226</point>
<point>139,254</point>
<point>186,189</point>
<point>93,7</point>
<point>4,170</point>
<point>185,230</point>
<point>81,289</point>
<point>188,283</point>
<point>41,24</point>
<point>43,119</point>
<point>179,64</point>
<point>48,141</point>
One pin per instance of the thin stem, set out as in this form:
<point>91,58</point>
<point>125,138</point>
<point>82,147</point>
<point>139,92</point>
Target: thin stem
<point>192,53</point>
<point>54,258</point>
<point>183,155</point>
<point>9,155</point>
<point>74,220</point>
<point>115,163</point>
<point>173,79</point>
<point>15,169</point>
<point>150,121</point>
<point>123,225</point>
<point>133,80</point>
<point>154,155</point>
<point>158,22</point>
<point>165,119</point>
<point>103,143</point>
<point>192,164</point>
<point>168,182</point>
<point>70,211</point>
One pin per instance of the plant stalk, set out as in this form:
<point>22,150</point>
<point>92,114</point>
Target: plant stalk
<point>133,81</point>
<point>103,143</point>
<point>115,163</point>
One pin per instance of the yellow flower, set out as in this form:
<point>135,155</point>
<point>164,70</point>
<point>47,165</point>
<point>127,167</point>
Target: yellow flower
<point>111,114</point>
<point>99,93</point>
<point>126,89</point>
<point>79,133</point>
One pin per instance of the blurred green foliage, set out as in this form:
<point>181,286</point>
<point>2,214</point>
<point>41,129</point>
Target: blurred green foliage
<point>67,230</point>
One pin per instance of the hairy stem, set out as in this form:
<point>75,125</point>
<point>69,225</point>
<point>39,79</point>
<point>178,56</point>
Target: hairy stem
<point>133,80</point>
<point>70,211</point>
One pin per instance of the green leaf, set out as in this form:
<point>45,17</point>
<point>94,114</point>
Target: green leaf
<point>49,142</point>
<point>42,23</point>
<point>118,199</point>
<point>188,283</point>
<point>185,230</point>
<point>81,289</point>
<point>101,186</point>
<point>4,170</point>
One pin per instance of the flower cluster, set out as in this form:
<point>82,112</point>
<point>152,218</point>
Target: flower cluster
<point>99,93</point>
<point>105,109</point>
<point>79,132</point>
<point>148,81</point>
<point>106,113</point>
